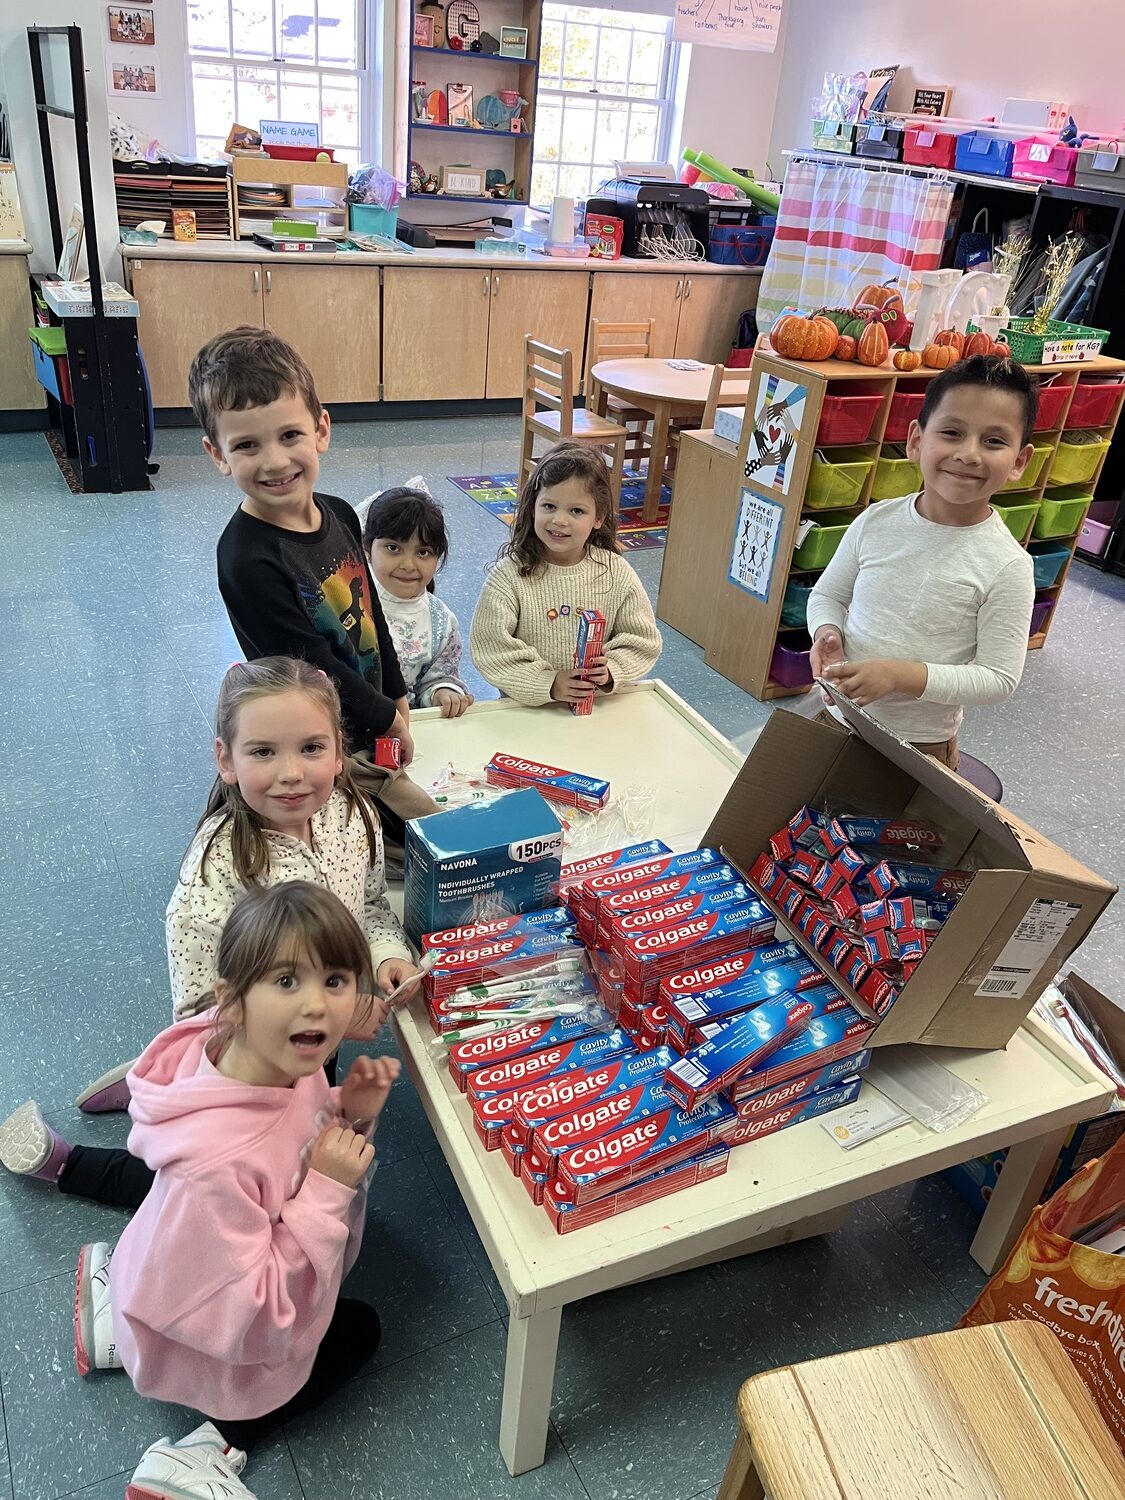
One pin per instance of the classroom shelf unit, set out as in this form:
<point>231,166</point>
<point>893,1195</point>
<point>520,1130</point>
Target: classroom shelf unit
<point>774,530</point>
<point>285,176</point>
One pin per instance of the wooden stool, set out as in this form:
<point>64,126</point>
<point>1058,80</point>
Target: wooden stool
<point>991,1413</point>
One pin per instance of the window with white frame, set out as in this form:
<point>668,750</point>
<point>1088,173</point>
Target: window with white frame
<point>255,60</point>
<point>606,79</point>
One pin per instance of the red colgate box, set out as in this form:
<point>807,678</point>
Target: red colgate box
<point>554,919</point>
<point>833,830</point>
<point>569,788</point>
<point>644,872</point>
<point>575,874</point>
<point>502,957</point>
<point>736,1047</point>
<point>609,979</point>
<point>554,1138</point>
<point>808,1108</point>
<point>720,879</point>
<point>566,1215</point>
<point>512,1151</point>
<point>467,1058</point>
<point>563,1093</point>
<point>898,912</point>
<point>824,1040</point>
<point>727,972</point>
<point>589,645</point>
<point>724,1001</point>
<point>766,1101</point>
<point>889,879</point>
<point>533,1178</point>
<point>650,1025</point>
<point>616,927</point>
<point>623,1156</point>
<point>522,1069</point>
<point>649,956</point>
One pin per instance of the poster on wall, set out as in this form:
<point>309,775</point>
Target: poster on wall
<point>747,25</point>
<point>755,543</point>
<point>133,25</point>
<point>779,409</point>
<point>131,78</point>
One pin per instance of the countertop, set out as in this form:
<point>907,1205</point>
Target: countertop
<point>453,259</point>
<point>15,247</point>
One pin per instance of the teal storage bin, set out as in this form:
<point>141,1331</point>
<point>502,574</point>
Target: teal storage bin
<point>1047,563</point>
<point>369,218</point>
<point>795,605</point>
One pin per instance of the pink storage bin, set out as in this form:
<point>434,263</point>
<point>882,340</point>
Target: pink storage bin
<point>1094,537</point>
<point>1093,403</point>
<point>906,407</point>
<point>1042,160</point>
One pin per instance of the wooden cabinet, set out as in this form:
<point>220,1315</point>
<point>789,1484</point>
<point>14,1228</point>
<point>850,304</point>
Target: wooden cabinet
<point>635,296</point>
<point>332,317</point>
<point>548,305</point>
<point>710,308</point>
<point>183,304</point>
<point>435,334</point>
<point>19,389</point>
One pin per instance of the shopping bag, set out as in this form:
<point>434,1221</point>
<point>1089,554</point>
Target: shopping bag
<point>1075,1290</point>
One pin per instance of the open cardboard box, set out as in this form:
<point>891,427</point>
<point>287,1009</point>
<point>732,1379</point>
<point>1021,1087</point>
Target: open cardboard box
<point>960,995</point>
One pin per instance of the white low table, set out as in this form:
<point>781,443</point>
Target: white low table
<point>779,1189</point>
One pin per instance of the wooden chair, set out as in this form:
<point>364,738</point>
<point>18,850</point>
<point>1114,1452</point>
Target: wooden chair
<point>620,341</point>
<point>997,1411</point>
<point>548,381</point>
<point>728,388</point>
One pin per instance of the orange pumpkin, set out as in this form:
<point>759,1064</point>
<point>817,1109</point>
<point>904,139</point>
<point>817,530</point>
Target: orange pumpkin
<point>907,360</point>
<point>845,349</point>
<point>874,346</point>
<point>878,297</point>
<point>937,356</point>
<point>952,337</point>
<point>977,343</point>
<point>795,337</point>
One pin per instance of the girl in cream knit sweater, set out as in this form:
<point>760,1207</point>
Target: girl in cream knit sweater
<point>562,558</point>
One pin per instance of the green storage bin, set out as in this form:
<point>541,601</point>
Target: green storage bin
<point>795,605</point>
<point>895,475</point>
<point>835,482</point>
<point>1034,471</point>
<point>1017,518</point>
<point>1078,457</point>
<point>819,546</point>
<point>1062,511</point>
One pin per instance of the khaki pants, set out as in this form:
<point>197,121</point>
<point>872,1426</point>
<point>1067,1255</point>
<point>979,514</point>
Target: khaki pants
<point>397,798</point>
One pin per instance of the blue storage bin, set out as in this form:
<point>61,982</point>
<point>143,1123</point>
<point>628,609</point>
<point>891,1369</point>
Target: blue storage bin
<point>1048,564</point>
<point>989,155</point>
<point>794,607</point>
<point>369,218</point>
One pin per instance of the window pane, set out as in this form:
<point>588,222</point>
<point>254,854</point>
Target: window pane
<point>544,183</point>
<point>574,181</point>
<point>579,56</point>
<point>253,28</point>
<point>548,128</point>
<point>212,88</point>
<point>613,58</point>
<point>644,126</point>
<point>337,40</point>
<point>208,25</point>
<point>648,56</point>
<point>300,97</point>
<point>339,112</point>
<point>578,130</point>
<point>257,95</point>
<point>550,52</point>
<point>612,140</point>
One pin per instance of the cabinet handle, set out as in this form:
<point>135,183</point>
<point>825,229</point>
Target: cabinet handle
<point>257,281</point>
<point>687,287</point>
<point>496,286</point>
<point>484,288</point>
<point>269,281</point>
<point>680,287</point>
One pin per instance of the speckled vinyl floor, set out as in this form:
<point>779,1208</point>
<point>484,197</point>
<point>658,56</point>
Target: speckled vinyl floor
<point>114,642</point>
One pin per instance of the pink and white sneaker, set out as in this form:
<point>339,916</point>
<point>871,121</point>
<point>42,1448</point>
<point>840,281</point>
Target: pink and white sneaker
<point>30,1147</point>
<point>94,1345</point>
<point>200,1466</point>
<point>106,1094</point>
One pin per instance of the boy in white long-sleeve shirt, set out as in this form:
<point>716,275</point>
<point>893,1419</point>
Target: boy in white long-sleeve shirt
<point>927,603</point>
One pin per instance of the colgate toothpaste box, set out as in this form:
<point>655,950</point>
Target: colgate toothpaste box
<point>578,871</point>
<point>615,927</point>
<point>736,1047</point>
<point>589,645</point>
<point>649,956</point>
<point>650,1024</point>
<point>643,872</point>
<point>825,1039</point>
<point>614,1160</point>
<point>565,1092</point>
<point>888,879</point>
<point>811,829</point>
<point>533,1178</point>
<point>519,1069</point>
<point>728,972</point>
<point>724,1001</point>
<point>554,918</point>
<point>670,888</point>
<point>467,1057</point>
<point>503,957</point>
<point>513,1151</point>
<point>766,1101</point>
<point>555,1137</point>
<point>567,1215</point>
<point>609,979</point>
<point>566,787</point>
<point>898,912</point>
<point>807,1108</point>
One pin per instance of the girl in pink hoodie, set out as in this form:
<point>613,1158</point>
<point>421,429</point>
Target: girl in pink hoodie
<point>223,1291</point>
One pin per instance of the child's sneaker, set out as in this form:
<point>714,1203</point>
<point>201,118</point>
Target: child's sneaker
<point>94,1345</point>
<point>200,1465</point>
<point>29,1146</point>
<point>108,1093</point>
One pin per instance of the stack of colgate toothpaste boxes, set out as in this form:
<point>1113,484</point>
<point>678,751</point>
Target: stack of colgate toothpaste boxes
<point>707,1032</point>
<point>858,890</point>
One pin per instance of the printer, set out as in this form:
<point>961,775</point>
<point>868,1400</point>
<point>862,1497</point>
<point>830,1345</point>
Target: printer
<point>662,219</point>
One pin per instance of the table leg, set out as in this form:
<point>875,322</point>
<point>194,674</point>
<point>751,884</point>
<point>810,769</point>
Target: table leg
<point>741,1481</point>
<point>1025,1173</point>
<point>658,448</point>
<point>529,1381</point>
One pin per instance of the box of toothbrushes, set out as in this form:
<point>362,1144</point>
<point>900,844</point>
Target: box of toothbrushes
<point>481,862</point>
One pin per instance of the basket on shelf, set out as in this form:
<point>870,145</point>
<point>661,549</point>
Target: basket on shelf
<point>1063,343</point>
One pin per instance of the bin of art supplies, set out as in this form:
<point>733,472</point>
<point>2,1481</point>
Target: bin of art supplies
<point>1052,399</point>
<point>833,135</point>
<point>883,142</point>
<point>895,475</point>
<point>1062,511</point>
<point>1101,165</point>
<point>1078,457</point>
<point>924,146</point>
<point>819,546</point>
<point>1017,518</point>
<point>795,605</point>
<point>1093,403</point>
<point>905,408</point>
<point>847,419</point>
<point>1047,563</point>
<point>369,218</point>
<point>790,665</point>
<point>1038,160</point>
<point>984,154</point>
<point>836,479</point>
<point>1034,471</point>
<point>1093,538</point>
<point>1040,610</point>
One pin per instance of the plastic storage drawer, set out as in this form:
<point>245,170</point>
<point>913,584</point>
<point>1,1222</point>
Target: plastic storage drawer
<point>926,147</point>
<point>1040,612</point>
<point>847,419</point>
<point>791,666</point>
<point>833,135</point>
<point>895,477</point>
<point>1048,564</point>
<point>1017,518</point>
<point>1061,512</point>
<point>1101,166</point>
<point>369,218</point>
<point>986,155</point>
<point>836,483</point>
<point>905,407</point>
<point>1093,538</point>
<point>1076,463</point>
<point>884,142</point>
<point>819,546</point>
<point>1034,471</point>
<point>1052,399</point>
<point>1037,160</point>
<point>795,605</point>
<point>1093,403</point>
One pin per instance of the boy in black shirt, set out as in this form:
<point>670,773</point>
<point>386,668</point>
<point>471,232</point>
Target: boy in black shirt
<point>292,571</point>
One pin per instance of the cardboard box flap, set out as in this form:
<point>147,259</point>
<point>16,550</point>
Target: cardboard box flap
<point>1098,1008</point>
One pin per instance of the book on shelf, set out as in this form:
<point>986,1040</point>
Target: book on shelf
<point>73,299</point>
<point>291,244</point>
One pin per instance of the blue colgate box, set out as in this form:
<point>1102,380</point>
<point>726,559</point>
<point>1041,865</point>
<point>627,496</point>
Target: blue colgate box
<point>477,863</point>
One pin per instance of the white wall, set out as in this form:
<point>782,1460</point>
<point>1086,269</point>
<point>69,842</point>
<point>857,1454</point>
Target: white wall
<point>726,104</point>
<point>988,51</point>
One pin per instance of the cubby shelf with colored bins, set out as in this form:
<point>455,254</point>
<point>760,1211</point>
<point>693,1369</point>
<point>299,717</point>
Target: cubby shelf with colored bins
<point>749,630</point>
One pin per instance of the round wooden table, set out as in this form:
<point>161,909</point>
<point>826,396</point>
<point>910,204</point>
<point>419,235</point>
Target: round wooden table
<point>654,386</point>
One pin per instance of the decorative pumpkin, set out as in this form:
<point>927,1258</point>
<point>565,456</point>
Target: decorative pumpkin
<point>832,332</point>
<point>795,337</point>
<point>907,360</point>
<point>951,336</point>
<point>977,343</point>
<point>846,348</point>
<point>874,345</point>
<point>939,356</point>
<point>878,297</point>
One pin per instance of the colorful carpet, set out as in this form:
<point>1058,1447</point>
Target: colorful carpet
<point>498,494</point>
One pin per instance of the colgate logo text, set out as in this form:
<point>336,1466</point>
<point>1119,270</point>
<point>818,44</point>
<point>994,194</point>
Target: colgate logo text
<point>672,936</point>
<point>614,1148</point>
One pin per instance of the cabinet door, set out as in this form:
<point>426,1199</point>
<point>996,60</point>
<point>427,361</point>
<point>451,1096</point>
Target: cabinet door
<point>183,304</point>
<point>709,312</point>
<point>331,314</point>
<point>19,388</point>
<point>548,305</point>
<point>636,296</point>
<point>435,334</point>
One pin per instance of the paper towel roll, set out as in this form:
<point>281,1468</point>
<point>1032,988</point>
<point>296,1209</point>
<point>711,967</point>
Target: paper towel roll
<point>561,231</point>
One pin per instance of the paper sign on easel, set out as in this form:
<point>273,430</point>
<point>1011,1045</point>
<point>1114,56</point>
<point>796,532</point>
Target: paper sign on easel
<point>747,25</point>
<point>755,543</point>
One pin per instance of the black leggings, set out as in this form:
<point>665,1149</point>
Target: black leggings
<point>352,1338</point>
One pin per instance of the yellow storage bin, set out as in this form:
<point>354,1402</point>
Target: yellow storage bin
<point>1034,471</point>
<point>835,482</point>
<point>1062,511</point>
<point>819,547</point>
<point>895,475</point>
<point>1078,457</point>
<point>1017,518</point>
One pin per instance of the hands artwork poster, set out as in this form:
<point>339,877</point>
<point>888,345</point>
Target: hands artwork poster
<point>779,409</point>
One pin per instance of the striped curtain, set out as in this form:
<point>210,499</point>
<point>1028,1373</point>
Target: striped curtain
<point>842,225</point>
